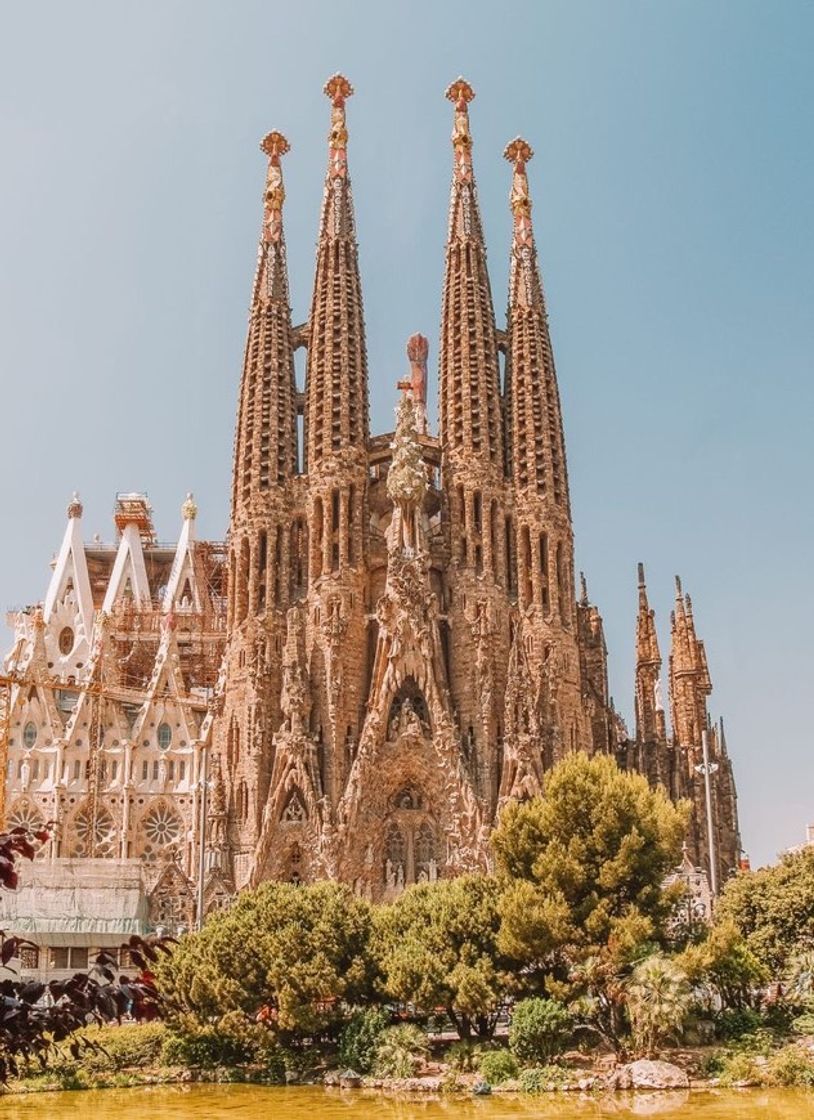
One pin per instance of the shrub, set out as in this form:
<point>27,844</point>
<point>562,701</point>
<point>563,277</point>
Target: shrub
<point>803,1024</point>
<point>400,1051</point>
<point>122,1047</point>
<point>463,1056</point>
<point>539,1079</point>
<point>734,1024</point>
<point>790,1066</point>
<point>738,1067</point>
<point>360,1037</point>
<point>497,1066</point>
<point>235,1040</point>
<point>539,1029</point>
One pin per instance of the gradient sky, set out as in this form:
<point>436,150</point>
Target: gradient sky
<point>673,185</point>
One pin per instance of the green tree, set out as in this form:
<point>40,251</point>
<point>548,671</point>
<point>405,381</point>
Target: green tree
<point>658,998</point>
<point>437,946</point>
<point>586,862</point>
<point>724,965</point>
<point>774,909</point>
<point>284,955</point>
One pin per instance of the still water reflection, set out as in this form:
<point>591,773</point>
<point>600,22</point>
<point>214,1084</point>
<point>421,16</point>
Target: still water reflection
<point>249,1102</point>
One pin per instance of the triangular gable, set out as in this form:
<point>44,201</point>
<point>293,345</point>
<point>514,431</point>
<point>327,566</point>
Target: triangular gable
<point>183,590</point>
<point>71,565</point>
<point>129,576</point>
<point>166,690</point>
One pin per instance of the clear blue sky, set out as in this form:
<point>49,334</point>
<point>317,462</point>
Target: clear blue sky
<point>673,182</point>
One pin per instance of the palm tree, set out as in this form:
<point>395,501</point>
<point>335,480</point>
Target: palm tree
<point>658,997</point>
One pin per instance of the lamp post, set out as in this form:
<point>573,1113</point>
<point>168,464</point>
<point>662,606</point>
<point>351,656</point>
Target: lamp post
<point>707,769</point>
<point>203,784</point>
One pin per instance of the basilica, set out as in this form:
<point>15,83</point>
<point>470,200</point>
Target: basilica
<point>388,647</point>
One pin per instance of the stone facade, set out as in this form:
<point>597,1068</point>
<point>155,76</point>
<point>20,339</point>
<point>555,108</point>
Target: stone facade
<point>389,647</point>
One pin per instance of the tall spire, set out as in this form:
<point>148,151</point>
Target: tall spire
<point>533,411</point>
<point>266,437</point>
<point>650,725</point>
<point>336,414</point>
<point>470,417</point>
<point>690,682</point>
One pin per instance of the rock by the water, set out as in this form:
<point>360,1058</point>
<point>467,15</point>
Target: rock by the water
<point>481,1089</point>
<point>646,1074</point>
<point>350,1079</point>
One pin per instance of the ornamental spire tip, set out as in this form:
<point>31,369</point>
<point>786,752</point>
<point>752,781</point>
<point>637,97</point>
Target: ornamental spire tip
<point>338,88</point>
<point>459,90</point>
<point>274,144</point>
<point>518,151</point>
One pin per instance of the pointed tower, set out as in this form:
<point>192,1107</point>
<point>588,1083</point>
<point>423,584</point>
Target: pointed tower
<point>690,685</point>
<point>336,436</point>
<point>543,533</point>
<point>655,757</point>
<point>650,727</point>
<point>471,435</point>
<point>262,545</point>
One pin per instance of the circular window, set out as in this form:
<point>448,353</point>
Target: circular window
<point>162,826</point>
<point>66,640</point>
<point>29,735</point>
<point>164,735</point>
<point>93,837</point>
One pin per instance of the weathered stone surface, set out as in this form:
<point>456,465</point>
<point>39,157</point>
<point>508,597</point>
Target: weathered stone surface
<point>648,1074</point>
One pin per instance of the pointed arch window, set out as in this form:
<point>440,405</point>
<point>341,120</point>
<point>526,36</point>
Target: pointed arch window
<point>164,736</point>
<point>29,735</point>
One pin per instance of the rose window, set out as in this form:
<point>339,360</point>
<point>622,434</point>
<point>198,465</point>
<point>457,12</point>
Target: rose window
<point>27,816</point>
<point>161,827</point>
<point>93,839</point>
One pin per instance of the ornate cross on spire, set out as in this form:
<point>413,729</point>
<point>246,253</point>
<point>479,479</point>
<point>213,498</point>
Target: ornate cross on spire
<point>274,145</point>
<point>339,89</point>
<point>460,93</point>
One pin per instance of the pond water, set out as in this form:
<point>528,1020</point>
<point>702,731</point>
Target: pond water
<point>236,1102</point>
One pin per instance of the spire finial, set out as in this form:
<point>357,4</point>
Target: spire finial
<point>460,93</point>
<point>583,588</point>
<point>189,508</point>
<point>338,89</point>
<point>519,152</point>
<point>74,506</point>
<point>274,144</point>
<point>679,593</point>
<point>641,574</point>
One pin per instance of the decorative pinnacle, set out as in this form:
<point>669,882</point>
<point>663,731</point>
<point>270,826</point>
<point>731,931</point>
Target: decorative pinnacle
<point>189,509</point>
<point>678,587</point>
<point>74,506</point>
<point>274,144</point>
<point>338,88</point>
<point>460,93</point>
<point>641,574</point>
<point>518,151</point>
